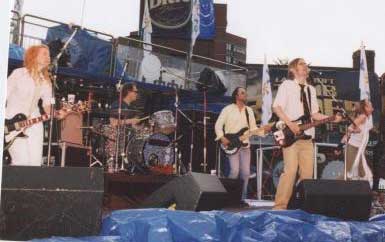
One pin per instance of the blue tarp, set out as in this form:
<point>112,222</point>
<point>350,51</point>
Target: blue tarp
<point>161,225</point>
<point>88,53</point>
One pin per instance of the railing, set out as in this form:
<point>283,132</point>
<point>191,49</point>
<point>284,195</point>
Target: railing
<point>165,66</point>
<point>269,163</point>
<point>34,31</point>
<point>15,27</point>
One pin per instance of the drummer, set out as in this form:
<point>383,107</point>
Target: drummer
<point>128,114</point>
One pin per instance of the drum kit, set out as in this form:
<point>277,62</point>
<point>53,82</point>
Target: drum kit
<point>137,148</point>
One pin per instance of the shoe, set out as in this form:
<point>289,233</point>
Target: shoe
<point>243,204</point>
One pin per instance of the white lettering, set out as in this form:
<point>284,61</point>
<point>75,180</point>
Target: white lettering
<point>155,3</point>
<point>158,3</point>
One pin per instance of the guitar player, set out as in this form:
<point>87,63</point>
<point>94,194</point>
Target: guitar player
<point>232,119</point>
<point>25,86</point>
<point>296,98</point>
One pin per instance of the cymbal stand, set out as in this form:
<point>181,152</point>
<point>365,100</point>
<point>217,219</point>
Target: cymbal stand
<point>204,164</point>
<point>192,123</point>
<point>176,104</point>
<point>96,160</point>
<point>205,86</point>
<point>117,140</point>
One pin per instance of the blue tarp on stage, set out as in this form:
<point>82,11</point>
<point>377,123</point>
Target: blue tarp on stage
<point>161,225</point>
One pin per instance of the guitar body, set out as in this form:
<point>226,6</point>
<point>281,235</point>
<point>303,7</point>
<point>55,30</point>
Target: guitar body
<point>284,137</point>
<point>10,124</point>
<point>15,126</point>
<point>235,142</point>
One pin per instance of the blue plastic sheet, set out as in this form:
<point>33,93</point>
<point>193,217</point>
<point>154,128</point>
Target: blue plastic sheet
<point>161,225</point>
<point>15,52</point>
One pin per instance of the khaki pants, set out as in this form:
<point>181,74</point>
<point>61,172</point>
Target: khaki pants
<point>351,154</point>
<point>300,156</point>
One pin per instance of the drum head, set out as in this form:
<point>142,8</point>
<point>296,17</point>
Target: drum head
<point>158,151</point>
<point>163,121</point>
<point>333,170</point>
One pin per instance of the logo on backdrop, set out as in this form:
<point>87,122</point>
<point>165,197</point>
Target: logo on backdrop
<point>170,14</point>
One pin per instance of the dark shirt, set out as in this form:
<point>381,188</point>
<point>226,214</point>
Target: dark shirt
<point>126,110</point>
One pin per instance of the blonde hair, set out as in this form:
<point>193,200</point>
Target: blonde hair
<point>31,64</point>
<point>293,66</point>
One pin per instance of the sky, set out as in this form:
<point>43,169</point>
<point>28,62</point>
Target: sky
<point>324,32</point>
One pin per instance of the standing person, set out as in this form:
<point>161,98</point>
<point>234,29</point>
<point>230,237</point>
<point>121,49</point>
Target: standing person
<point>129,95</point>
<point>295,98</point>
<point>25,87</point>
<point>232,119</point>
<point>356,165</point>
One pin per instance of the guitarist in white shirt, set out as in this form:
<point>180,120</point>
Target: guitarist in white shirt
<point>295,98</point>
<point>231,120</point>
<point>25,87</point>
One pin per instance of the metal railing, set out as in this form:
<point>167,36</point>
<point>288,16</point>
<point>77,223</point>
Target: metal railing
<point>166,66</point>
<point>33,30</point>
<point>323,160</point>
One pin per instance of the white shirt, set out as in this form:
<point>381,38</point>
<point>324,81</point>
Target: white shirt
<point>21,91</point>
<point>289,99</point>
<point>356,138</point>
<point>233,120</point>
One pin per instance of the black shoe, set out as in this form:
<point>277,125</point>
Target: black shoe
<point>243,204</point>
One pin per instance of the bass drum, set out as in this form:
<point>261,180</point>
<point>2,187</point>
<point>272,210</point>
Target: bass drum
<point>154,150</point>
<point>333,170</point>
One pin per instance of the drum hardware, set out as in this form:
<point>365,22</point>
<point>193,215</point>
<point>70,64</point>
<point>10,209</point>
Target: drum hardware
<point>120,89</point>
<point>193,125</point>
<point>95,160</point>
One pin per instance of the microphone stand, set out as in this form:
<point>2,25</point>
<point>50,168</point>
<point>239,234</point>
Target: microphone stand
<point>53,74</point>
<point>117,141</point>
<point>192,123</point>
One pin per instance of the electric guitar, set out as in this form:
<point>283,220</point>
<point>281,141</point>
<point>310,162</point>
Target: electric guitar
<point>284,137</point>
<point>236,139</point>
<point>14,127</point>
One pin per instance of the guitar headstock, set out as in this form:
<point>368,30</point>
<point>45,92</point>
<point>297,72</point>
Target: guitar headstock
<point>79,107</point>
<point>340,115</point>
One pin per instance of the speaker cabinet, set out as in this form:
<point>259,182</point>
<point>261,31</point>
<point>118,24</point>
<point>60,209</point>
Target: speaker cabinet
<point>193,191</point>
<point>349,200</point>
<point>42,202</point>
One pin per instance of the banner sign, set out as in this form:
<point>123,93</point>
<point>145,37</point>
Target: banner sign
<point>172,18</point>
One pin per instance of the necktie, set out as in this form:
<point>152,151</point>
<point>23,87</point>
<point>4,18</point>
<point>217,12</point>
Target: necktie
<point>306,110</point>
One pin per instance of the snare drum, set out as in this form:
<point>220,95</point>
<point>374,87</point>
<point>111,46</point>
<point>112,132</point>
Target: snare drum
<point>163,122</point>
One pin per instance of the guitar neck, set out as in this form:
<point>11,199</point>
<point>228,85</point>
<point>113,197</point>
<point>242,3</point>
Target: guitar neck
<point>316,123</point>
<point>29,122</point>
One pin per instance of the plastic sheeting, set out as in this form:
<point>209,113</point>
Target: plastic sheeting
<point>160,225</point>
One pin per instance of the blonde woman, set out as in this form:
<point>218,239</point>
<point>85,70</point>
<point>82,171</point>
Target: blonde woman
<point>356,164</point>
<point>25,87</point>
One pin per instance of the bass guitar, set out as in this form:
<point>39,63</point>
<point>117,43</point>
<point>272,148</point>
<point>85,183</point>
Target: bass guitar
<point>14,127</point>
<point>236,139</point>
<point>284,137</point>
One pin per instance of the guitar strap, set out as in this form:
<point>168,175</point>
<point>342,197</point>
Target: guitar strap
<point>309,97</point>
<point>247,117</point>
<point>34,99</point>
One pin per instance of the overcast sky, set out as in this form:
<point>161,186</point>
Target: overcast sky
<point>324,32</point>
